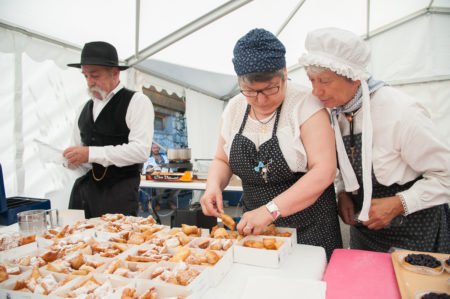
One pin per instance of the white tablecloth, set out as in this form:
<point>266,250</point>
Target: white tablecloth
<point>305,262</point>
<point>183,185</point>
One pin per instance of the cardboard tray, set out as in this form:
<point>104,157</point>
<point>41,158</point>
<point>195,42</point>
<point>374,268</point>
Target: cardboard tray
<point>261,257</point>
<point>411,283</point>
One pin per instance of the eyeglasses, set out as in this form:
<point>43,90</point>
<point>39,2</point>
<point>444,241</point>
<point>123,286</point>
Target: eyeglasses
<point>267,92</point>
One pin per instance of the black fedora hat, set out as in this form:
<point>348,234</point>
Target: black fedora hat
<point>99,53</point>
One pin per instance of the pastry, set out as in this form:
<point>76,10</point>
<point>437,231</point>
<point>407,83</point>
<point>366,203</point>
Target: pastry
<point>76,261</point>
<point>226,244</point>
<point>23,261</point>
<point>278,244</point>
<point>13,270</point>
<point>193,260</point>
<point>212,257</point>
<point>113,266</point>
<point>269,243</point>
<point>184,277</point>
<point>136,238</point>
<point>228,221</point>
<point>270,230</point>
<point>27,240</point>
<point>181,255</point>
<point>122,272</point>
<point>149,294</point>
<point>220,233</point>
<point>216,245</point>
<point>58,266</point>
<point>3,273</point>
<point>285,234</point>
<point>189,229</point>
<point>158,271</point>
<point>20,285</point>
<point>203,244</point>
<point>254,244</point>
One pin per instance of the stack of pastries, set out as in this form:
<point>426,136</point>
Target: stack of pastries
<point>109,255</point>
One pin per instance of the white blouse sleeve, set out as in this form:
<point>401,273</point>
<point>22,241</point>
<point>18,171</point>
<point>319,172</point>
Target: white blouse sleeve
<point>424,152</point>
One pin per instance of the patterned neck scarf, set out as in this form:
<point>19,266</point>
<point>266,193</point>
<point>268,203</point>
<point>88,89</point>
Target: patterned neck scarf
<point>357,101</point>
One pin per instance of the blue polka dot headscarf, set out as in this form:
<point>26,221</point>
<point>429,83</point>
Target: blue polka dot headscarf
<point>258,51</point>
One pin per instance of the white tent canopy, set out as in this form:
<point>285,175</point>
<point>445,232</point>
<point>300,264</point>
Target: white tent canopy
<point>186,47</point>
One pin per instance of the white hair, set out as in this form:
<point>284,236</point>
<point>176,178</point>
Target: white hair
<point>314,69</point>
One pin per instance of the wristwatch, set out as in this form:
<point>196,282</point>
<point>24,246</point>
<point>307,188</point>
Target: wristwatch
<point>273,210</point>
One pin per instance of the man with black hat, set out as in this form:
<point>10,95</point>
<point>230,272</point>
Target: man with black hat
<point>114,134</point>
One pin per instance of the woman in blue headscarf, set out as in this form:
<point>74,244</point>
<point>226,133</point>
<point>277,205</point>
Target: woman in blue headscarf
<point>276,136</point>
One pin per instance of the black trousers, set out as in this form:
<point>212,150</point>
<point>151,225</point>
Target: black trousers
<point>111,195</point>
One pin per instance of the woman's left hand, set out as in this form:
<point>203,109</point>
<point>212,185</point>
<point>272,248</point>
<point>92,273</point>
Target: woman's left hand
<point>254,222</point>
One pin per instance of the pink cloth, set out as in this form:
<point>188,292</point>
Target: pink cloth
<point>360,274</point>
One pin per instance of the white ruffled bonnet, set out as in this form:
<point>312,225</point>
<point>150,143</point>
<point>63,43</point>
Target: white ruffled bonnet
<point>346,54</point>
<point>338,50</point>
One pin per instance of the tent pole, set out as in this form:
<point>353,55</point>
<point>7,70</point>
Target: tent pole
<point>368,20</point>
<point>138,14</point>
<point>291,15</point>
<point>186,30</point>
<point>18,122</point>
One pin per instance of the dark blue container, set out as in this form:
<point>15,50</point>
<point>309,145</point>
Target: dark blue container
<point>9,207</point>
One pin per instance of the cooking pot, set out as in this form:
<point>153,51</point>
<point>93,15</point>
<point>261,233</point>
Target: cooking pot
<point>179,154</point>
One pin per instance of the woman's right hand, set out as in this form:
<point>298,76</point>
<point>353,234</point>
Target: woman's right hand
<point>211,201</point>
<point>346,208</point>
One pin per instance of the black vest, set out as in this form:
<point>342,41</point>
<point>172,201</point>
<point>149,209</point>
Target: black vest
<point>109,128</point>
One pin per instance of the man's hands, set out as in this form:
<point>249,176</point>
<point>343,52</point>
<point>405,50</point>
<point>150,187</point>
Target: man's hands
<point>345,208</point>
<point>382,211</point>
<point>76,155</point>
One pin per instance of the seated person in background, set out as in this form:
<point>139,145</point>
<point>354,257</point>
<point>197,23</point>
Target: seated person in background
<point>153,164</point>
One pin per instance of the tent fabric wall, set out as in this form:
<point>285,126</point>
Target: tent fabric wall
<point>418,50</point>
<point>39,97</point>
<point>435,97</point>
<point>143,79</point>
<point>203,114</point>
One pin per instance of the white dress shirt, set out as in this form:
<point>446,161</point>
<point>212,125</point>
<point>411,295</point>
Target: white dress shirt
<point>139,119</point>
<point>405,146</point>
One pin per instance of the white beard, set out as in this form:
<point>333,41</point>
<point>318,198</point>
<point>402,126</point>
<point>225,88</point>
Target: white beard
<point>92,90</point>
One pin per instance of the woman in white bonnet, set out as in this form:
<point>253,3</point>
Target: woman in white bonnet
<point>394,183</point>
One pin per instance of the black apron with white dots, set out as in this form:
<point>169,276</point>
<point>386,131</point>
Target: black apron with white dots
<point>425,230</point>
<point>318,224</point>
